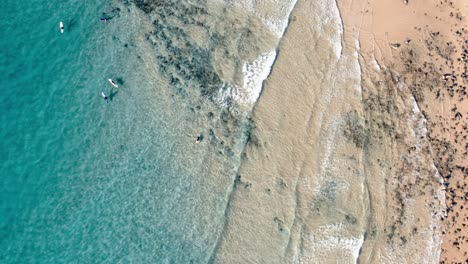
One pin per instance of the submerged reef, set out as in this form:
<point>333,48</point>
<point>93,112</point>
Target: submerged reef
<point>202,45</point>
<point>201,49</point>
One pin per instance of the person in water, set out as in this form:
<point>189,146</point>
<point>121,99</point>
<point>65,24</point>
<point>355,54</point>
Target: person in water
<point>199,138</point>
<point>106,99</point>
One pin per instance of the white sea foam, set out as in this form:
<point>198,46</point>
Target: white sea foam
<point>276,19</point>
<point>428,248</point>
<point>328,11</point>
<point>434,241</point>
<point>358,66</point>
<point>437,238</point>
<point>279,25</point>
<point>255,72</point>
<point>332,239</point>
<point>376,65</point>
<point>329,146</point>
<point>418,118</point>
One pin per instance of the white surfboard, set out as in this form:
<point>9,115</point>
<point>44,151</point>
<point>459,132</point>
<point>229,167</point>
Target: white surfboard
<point>61,26</point>
<point>113,83</point>
<point>104,96</point>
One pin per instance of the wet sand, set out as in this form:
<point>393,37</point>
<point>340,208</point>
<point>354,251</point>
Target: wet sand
<point>292,151</point>
<point>358,152</point>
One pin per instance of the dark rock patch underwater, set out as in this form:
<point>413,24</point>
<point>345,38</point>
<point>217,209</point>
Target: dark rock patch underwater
<point>202,45</point>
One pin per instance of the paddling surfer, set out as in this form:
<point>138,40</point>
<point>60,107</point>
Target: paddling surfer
<point>104,96</point>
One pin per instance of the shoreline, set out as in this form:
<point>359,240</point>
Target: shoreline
<point>423,46</point>
<point>255,72</point>
<point>342,147</point>
<point>265,212</point>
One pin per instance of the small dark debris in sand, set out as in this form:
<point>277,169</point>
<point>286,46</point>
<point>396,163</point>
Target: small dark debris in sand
<point>444,74</point>
<point>395,45</point>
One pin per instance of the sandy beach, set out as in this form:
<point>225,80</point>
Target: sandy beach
<point>424,43</point>
<point>241,131</point>
<point>359,148</point>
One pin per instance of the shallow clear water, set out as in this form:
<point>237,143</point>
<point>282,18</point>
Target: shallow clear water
<point>86,181</point>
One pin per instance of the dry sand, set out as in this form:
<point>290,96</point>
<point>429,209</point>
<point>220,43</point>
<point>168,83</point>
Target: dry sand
<point>356,132</point>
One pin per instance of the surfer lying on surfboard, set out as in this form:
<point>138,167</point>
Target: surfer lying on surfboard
<point>113,83</point>
<point>61,26</point>
<point>105,97</point>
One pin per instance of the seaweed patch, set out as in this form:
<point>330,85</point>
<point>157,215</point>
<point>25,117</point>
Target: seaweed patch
<point>203,46</point>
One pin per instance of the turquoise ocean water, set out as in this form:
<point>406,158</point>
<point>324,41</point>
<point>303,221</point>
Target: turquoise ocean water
<point>88,182</point>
